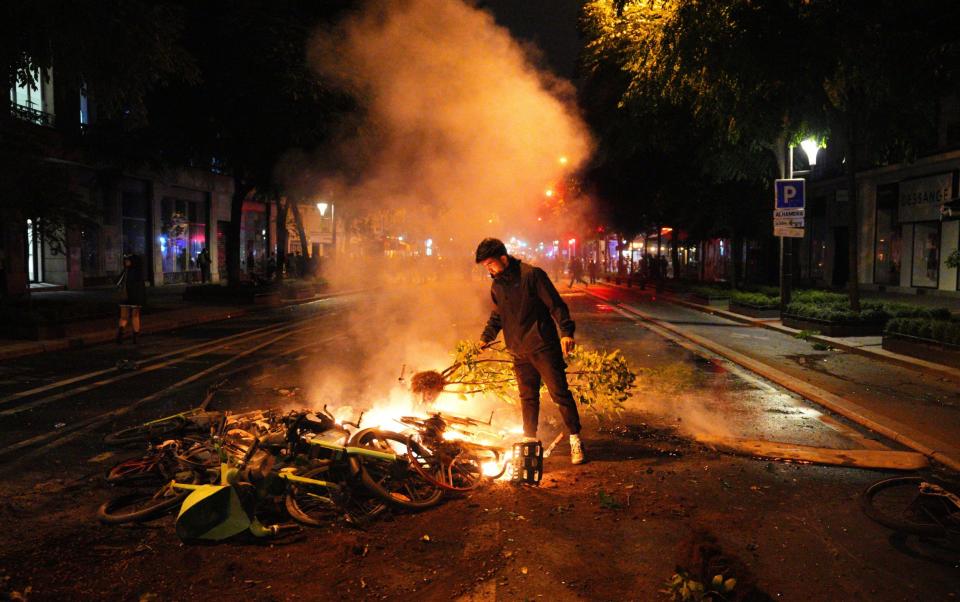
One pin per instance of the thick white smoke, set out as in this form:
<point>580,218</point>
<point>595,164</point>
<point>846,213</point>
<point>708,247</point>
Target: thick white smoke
<point>461,132</point>
<point>459,138</point>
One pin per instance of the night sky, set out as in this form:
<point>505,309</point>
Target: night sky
<point>550,24</point>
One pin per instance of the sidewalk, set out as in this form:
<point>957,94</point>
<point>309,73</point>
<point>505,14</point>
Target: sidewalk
<point>166,310</point>
<point>907,400</point>
<point>869,346</point>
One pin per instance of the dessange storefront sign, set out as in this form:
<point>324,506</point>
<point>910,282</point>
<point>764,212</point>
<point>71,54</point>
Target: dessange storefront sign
<point>920,198</point>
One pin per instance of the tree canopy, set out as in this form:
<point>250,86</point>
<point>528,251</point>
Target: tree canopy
<point>752,76</point>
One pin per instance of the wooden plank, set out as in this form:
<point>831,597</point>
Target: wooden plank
<point>860,458</point>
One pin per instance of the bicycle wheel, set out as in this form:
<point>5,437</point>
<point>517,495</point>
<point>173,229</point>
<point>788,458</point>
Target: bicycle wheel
<point>316,505</point>
<point>459,472</point>
<point>394,481</point>
<point>140,506</point>
<point>464,473</point>
<point>160,464</point>
<point>136,470</point>
<point>145,433</point>
<point>899,504</point>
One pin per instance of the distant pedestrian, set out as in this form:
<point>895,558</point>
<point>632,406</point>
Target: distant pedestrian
<point>297,265</point>
<point>203,260</point>
<point>251,263</point>
<point>592,269</point>
<point>271,266</point>
<point>557,265</point>
<point>133,295</point>
<point>576,272</point>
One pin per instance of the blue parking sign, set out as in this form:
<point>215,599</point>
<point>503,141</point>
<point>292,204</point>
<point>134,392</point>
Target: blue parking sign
<point>789,193</point>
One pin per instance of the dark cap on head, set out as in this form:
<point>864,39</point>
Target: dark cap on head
<point>490,247</point>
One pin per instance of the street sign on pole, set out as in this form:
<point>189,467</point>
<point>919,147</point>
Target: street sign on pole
<point>789,208</point>
<point>789,193</point>
<point>788,232</point>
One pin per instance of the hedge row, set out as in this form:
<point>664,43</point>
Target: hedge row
<point>709,292</point>
<point>758,299</point>
<point>943,331</point>
<point>870,311</point>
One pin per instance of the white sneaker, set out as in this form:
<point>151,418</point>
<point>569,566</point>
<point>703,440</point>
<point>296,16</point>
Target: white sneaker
<point>576,450</point>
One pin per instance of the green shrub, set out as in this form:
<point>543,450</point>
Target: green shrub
<point>834,307</point>
<point>709,291</point>
<point>818,297</point>
<point>757,299</point>
<point>945,331</point>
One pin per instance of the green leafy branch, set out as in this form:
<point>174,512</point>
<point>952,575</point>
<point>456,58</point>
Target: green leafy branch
<point>599,381</point>
<point>683,588</point>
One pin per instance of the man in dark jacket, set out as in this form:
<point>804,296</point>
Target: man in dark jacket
<point>134,295</point>
<point>527,305</point>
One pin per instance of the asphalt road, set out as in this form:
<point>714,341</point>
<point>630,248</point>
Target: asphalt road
<point>649,500</point>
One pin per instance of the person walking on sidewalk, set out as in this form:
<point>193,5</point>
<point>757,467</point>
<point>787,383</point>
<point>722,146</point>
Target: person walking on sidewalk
<point>204,261</point>
<point>134,295</point>
<point>529,310</point>
<point>592,269</point>
<point>576,272</point>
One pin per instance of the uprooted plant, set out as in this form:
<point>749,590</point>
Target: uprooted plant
<point>599,381</point>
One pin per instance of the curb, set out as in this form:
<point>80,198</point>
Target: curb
<point>103,336</point>
<point>901,360</point>
<point>819,396</point>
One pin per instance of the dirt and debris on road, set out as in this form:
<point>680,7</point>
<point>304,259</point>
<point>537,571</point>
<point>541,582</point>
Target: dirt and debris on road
<point>614,529</point>
<point>649,506</point>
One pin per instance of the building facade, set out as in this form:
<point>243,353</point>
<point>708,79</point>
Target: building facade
<point>166,216</point>
<point>905,238</point>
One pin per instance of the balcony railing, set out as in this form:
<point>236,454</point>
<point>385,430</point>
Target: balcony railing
<point>32,115</point>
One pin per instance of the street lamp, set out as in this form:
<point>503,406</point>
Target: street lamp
<point>322,208</point>
<point>810,148</point>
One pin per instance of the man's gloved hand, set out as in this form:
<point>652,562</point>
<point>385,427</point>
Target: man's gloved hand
<point>567,344</point>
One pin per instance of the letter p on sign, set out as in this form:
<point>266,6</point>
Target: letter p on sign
<point>789,193</point>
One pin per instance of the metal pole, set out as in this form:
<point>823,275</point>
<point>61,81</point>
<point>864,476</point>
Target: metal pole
<point>786,251</point>
<point>333,217</point>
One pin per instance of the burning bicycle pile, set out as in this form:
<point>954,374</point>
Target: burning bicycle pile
<point>227,474</point>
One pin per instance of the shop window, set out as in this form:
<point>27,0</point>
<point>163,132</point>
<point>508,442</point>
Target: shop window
<point>134,222</point>
<point>887,247</point>
<point>926,254</point>
<point>90,250</point>
<point>84,106</point>
<point>183,234</point>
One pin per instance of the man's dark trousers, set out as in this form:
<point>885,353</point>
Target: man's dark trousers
<point>546,366</point>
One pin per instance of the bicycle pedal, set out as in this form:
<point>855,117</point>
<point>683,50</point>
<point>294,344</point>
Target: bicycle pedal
<point>527,463</point>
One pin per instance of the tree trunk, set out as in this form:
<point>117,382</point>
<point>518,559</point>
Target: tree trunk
<point>240,191</point>
<point>736,255</point>
<point>282,235</point>
<point>675,253</point>
<point>620,267</point>
<point>853,284</point>
<point>701,257</point>
<point>298,221</point>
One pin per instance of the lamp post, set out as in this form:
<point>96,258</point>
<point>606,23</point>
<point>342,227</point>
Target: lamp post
<point>322,207</point>
<point>810,146</point>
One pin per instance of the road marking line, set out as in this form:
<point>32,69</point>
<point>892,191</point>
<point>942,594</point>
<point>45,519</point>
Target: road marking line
<point>204,349</point>
<point>825,398</point>
<point>67,434</point>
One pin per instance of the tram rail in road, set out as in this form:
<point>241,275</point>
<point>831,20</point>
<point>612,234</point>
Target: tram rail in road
<point>261,338</point>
